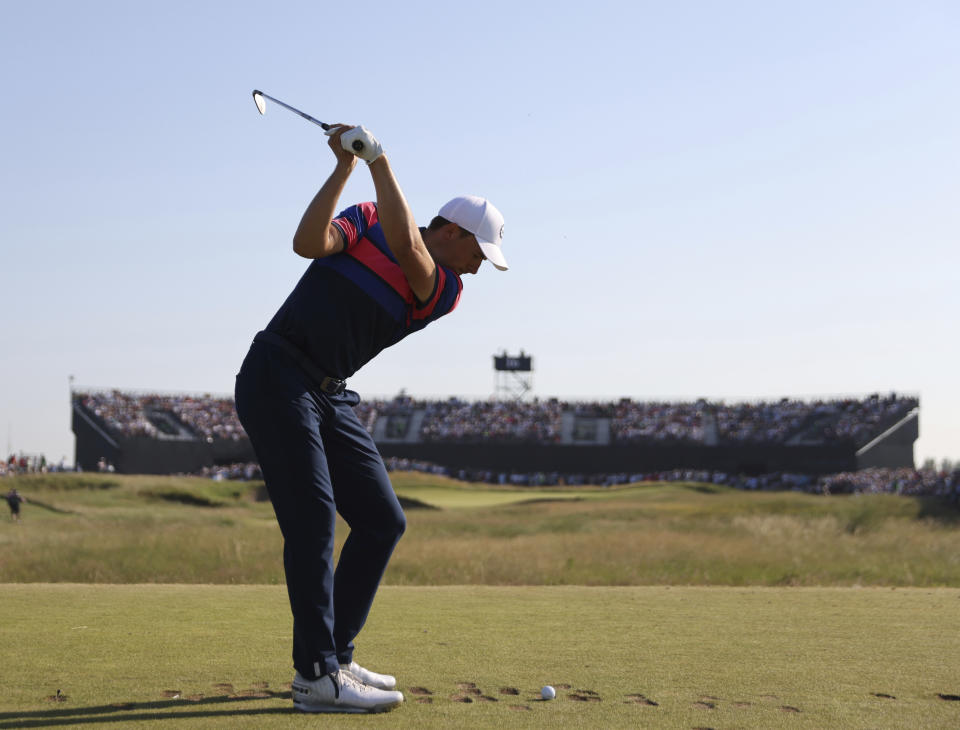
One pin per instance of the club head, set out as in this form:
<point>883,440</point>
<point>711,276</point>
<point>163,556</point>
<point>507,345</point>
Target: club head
<point>260,102</point>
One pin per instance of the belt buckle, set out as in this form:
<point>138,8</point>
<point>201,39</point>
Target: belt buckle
<point>332,386</point>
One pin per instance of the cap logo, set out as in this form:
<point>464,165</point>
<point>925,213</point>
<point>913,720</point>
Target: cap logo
<point>501,233</point>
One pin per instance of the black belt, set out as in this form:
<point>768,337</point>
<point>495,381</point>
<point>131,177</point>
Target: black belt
<point>332,386</point>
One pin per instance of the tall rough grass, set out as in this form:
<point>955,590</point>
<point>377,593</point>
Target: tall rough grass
<point>116,529</point>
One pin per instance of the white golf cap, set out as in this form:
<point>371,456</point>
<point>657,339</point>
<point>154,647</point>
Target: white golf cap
<point>483,220</point>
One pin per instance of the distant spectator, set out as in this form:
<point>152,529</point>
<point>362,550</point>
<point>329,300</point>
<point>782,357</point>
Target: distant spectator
<point>245,471</point>
<point>14,499</point>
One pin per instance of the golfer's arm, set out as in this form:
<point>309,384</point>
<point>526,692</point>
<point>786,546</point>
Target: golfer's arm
<point>401,231</point>
<point>316,236</point>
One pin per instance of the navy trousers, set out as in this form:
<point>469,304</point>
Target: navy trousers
<point>317,460</point>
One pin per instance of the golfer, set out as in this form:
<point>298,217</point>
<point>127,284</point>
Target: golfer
<point>375,278</point>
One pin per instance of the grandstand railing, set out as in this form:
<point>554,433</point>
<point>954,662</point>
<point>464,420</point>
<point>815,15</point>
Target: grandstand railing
<point>915,413</point>
<point>92,421</point>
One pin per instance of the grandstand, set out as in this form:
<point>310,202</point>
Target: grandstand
<point>151,433</point>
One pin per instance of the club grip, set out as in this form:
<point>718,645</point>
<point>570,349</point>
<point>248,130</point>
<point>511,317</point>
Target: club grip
<point>360,142</point>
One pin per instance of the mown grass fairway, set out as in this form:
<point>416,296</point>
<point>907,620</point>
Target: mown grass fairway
<point>218,656</point>
<point>116,529</point>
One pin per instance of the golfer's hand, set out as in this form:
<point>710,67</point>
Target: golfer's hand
<point>344,156</point>
<point>360,142</point>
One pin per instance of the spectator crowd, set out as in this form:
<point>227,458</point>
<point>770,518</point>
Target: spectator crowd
<point>925,482</point>
<point>29,464</point>
<point>128,414</point>
<point>857,420</point>
<point>459,420</point>
<point>455,420</point>
<point>540,421</point>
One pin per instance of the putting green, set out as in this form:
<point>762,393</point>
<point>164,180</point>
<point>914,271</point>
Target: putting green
<point>451,495</point>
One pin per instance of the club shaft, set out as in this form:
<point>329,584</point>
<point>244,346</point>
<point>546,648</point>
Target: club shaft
<point>295,111</point>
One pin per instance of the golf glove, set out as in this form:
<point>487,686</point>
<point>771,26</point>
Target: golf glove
<point>362,143</point>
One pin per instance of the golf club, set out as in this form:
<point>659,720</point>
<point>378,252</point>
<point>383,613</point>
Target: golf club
<point>259,97</point>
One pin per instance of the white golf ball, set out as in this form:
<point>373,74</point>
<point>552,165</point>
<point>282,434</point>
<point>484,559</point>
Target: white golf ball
<point>548,692</point>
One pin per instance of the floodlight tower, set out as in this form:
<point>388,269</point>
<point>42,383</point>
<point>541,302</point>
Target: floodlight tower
<point>513,375</point>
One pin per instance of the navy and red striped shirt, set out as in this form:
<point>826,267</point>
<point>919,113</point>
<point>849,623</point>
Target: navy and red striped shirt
<point>349,306</point>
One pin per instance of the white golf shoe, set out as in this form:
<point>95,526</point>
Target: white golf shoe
<point>380,681</point>
<point>341,692</point>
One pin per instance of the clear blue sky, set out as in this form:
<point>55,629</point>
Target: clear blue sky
<point>730,200</point>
